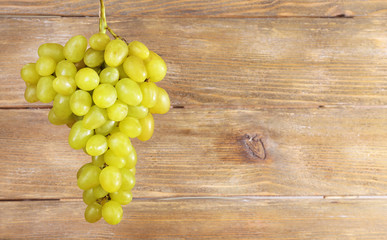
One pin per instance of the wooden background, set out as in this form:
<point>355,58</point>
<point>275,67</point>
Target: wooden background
<point>277,129</point>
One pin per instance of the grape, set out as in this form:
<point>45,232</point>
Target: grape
<point>99,192</point>
<point>98,41</point>
<point>112,159</point>
<point>53,50</point>
<point>80,102</point>
<point>44,90</point>
<point>93,58</point>
<point>129,92</point>
<point>104,95</point>
<point>123,197</point>
<point>96,145</point>
<point>156,67</point>
<point>133,171</point>
<point>128,179</point>
<point>131,159</point>
<point>112,212</point>
<point>106,128</point>
<point>117,111</point>
<point>75,48</point>
<point>147,127</point>
<point>54,119</point>
<point>65,68</point>
<point>88,177</point>
<point>64,85</point>
<point>93,212</point>
<point>87,79</point>
<point>61,106</point>
<point>29,74</point>
<point>88,196</point>
<point>95,118</point>
<point>120,144</point>
<point>163,103</point>
<point>149,94</point>
<point>131,127</point>
<point>98,161</point>
<point>137,111</point>
<point>109,75</point>
<point>45,66</point>
<point>138,49</point>
<point>134,67</point>
<point>79,135</point>
<point>115,52</point>
<point>30,93</point>
<point>122,72</point>
<point>110,179</point>
<point>79,65</point>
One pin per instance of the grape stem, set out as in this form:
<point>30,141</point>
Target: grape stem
<point>103,23</point>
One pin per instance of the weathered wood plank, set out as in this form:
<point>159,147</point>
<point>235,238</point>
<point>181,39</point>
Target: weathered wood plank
<point>212,152</point>
<point>198,8</point>
<point>201,219</point>
<point>232,62</point>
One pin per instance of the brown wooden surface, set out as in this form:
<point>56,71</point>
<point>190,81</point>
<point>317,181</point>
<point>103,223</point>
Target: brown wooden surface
<point>278,129</point>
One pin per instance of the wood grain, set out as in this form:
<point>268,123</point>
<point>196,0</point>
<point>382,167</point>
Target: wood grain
<point>212,152</point>
<point>254,63</point>
<point>198,8</point>
<point>237,218</point>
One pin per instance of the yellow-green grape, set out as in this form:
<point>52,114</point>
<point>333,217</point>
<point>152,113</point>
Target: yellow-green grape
<point>134,67</point>
<point>112,159</point>
<point>122,72</point>
<point>88,196</point>
<point>131,160</point>
<point>79,135</point>
<point>87,79</point>
<point>131,127</point>
<point>80,102</point>
<point>80,169</point>
<point>133,171</point>
<point>64,85</point>
<point>114,130</point>
<point>104,95</point>
<point>65,68</point>
<point>75,48</point>
<point>93,58</point>
<point>106,128</point>
<point>79,65</point>
<point>147,127</point>
<point>109,75</point>
<point>93,212</point>
<point>54,119</point>
<point>29,74</point>
<point>95,118</point>
<point>88,177</point>
<point>163,103</point>
<point>138,49</point>
<point>117,111</point>
<point>98,161</point>
<point>72,119</point>
<point>44,90</point>
<point>123,197</point>
<point>110,179</point>
<point>53,50</point>
<point>128,179</point>
<point>96,145</point>
<point>112,212</point>
<point>61,106</point>
<point>137,111</point>
<point>120,144</point>
<point>98,41</point>
<point>155,67</point>
<point>30,93</point>
<point>99,192</point>
<point>129,92</point>
<point>45,66</point>
<point>149,94</point>
<point>115,52</point>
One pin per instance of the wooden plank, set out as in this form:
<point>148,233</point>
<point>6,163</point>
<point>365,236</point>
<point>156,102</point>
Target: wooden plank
<point>212,152</point>
<point>201,219</point>
<point>198,8</point>
<point>256,63</point>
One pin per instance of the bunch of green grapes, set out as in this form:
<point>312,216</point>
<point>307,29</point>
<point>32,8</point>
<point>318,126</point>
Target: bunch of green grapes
<point>106,94</point>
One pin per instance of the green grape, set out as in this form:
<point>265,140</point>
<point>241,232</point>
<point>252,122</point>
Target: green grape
<point>147,127</point>
<point>80,169</point>
<point>155,67</point>
<point>128,179</point>
<point>53,50</point>
<point>149,94</point>
<point>115,52</point>
<point>79,65</point>
<point>72,120</point>
<point>98,41</point>
<point>109,75</point>
<point>95,118</point>
<point>130,126</point>
<point>129,92</point>
<point>30,93</point>
<point>75,48</point>
<point>112,159</point>
<point>96,145</point>
<point>80,102</point>
<point>93,58</point>
<point>87,79</point>
<point>104,95</point>
<point>122,72</point>
<point>45,66</point>
<point>88,196</point>
<point>163,103</point>
<point>117,111</point>
<point>54,119</point>
<point>137,111</point>
<point>79,135</point>
<point>120,144</point>
<point>29,74</point>
<point>110,179</point>
<point>138,49</point>
<point>112,212</point>
<point>88,177</point>
<point>65,68</point>
<point>114,130</point>
<point>64,85</point>
<point>44,90</point>
<point>133,171</point>
<point>106,128</point>
<point>93,212</point>
<point>131,159</point>
<point>99,192</point>
<point>98,161</point>
<point>134,67</point>
<point>61,106</point>
<point>123,197</point>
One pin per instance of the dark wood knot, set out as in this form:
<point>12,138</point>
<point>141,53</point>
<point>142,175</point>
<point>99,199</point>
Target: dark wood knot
<point>255,146</point>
